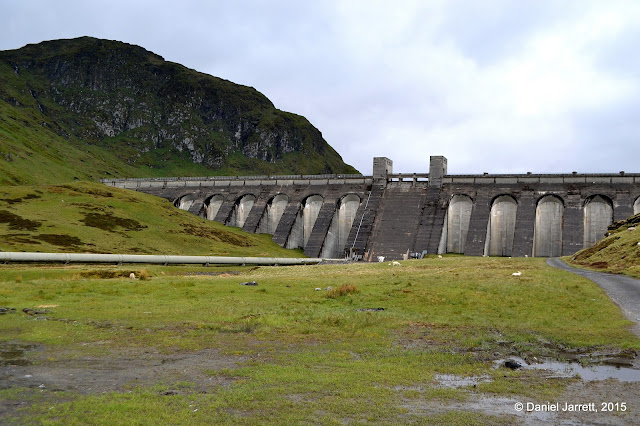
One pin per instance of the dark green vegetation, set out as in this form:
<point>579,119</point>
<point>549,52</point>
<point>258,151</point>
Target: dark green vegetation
<point>90,109</point>
<point>283,353</point>
<point>90,217</point>
<point>617,253</point>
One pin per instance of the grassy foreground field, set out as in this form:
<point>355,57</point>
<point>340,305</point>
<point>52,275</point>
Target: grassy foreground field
<point>183,347</point>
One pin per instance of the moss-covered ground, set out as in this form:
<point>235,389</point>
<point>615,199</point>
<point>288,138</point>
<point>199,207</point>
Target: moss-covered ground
<point>296,355</point>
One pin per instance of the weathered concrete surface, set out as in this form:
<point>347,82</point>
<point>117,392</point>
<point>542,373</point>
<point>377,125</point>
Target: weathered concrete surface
<point>502,215</point>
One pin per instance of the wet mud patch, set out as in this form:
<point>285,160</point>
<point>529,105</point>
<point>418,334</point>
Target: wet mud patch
<point>109,222</point>
<point>18,223</point>
<point>15,354</point>
<point>120,371</point>
<point>587,373</point>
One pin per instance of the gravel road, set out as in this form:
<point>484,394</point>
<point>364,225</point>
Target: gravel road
<point>622,289</point>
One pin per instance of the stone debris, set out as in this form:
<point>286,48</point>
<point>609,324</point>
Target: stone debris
<point>369,309</point>
<point>512,364</point>
<point>32,312</point>
<point>329,288</point>
<point>250,283</point>
<point>4,310</point>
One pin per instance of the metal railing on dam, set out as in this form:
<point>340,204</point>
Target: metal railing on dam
<point>6,257</point>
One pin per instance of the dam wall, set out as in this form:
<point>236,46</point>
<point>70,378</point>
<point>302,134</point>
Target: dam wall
<point>406,215</point>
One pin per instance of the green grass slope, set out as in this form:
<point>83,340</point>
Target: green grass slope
<point>90,217</point>
<point>617,253</point>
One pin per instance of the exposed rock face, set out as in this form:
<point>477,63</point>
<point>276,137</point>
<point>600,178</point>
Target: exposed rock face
<point>131,100</point>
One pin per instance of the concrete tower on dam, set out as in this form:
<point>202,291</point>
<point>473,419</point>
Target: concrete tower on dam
<point>399,215</point>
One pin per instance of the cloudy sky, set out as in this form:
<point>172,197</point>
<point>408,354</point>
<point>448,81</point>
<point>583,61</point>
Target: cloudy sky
<point>494,85</point>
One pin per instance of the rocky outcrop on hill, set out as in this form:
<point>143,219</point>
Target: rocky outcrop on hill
<point>151,112</point>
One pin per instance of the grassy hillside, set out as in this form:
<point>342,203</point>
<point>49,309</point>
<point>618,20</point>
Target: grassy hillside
<point>617,253</point>
<point>90,217</point>
<point>91,109</point>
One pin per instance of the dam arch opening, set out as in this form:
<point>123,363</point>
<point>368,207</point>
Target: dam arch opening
<point>456,224</point>
<point>501,227</point>
<point>212,205</point>
<point>598,215</point>
<point>303,224</point>
<point>241,210</point>
<point>547,230</point>
<point>272,214</point>
<point>338,233</point>
<point>184,202</point>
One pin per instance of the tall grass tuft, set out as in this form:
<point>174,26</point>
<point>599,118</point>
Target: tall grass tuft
<point>343,290</point>
<point>144,275</point>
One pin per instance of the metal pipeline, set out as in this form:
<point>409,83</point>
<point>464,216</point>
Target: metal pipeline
<point>6,257</point>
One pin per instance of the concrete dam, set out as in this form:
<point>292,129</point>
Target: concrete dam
<point>406,215</point>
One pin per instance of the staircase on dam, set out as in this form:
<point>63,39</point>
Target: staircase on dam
<point>397,223</point>
<point>365,218</point>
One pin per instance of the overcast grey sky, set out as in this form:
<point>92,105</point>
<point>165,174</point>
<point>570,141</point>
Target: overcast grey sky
<point>494,85</point>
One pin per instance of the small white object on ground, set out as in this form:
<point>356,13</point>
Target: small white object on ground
<point>439,256</point>
<point>380,259</point>
<point>517,274</point>
<point>395,263</point>
<point>318,289</point>
<point>132,276</point>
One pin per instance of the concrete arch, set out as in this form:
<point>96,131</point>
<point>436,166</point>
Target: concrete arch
<point>598,215</point>
<point>636,206</point>
<point>336,238</point>
<point>501,227</point>
<point>306,218</point>
<point>457,222</point>
<point>272,214</point>
<point>547,231</point>
<point>212,205</point>
<point>185,201</point>
<point>241,210</point>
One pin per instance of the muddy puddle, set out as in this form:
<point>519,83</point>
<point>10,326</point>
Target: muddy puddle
<point>618,370</point>
<point>452,381</point>
<point>14,353</point>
